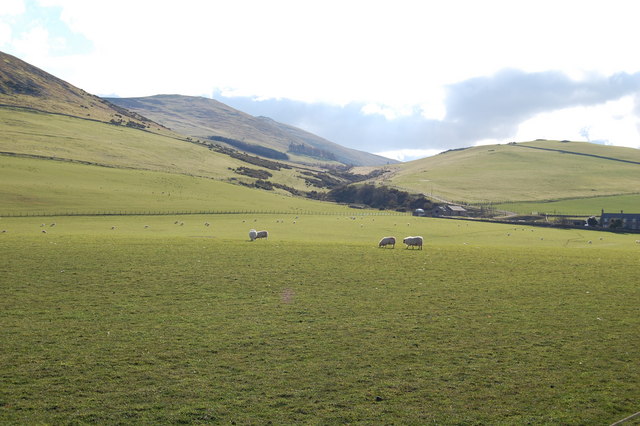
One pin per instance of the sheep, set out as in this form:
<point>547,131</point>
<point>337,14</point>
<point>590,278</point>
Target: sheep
<point>262,234</point>
<point>146,226</point>
<point>253,234</point>
<point>637,241</point>
<point>387,241</point>
<point>44,231</point>
<point>53,224</point>
<point>413,242</point>
<point>207,224</point>
<point>113,228</point>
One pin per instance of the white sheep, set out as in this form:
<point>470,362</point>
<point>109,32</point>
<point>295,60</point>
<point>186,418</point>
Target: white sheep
<point>387,241</point>
<point>413,242</point>
<point>113,228</point>
<point>253,234</point>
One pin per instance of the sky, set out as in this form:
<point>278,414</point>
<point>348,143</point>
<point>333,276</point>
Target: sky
<point>401,78</point>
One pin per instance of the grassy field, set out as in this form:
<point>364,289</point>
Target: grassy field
<point>163,322</point>
<point>580,206</point>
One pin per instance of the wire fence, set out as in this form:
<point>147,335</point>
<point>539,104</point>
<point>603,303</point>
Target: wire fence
<point>200,212</point>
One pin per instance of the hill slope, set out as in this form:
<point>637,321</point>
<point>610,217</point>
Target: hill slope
<point>203,117</point>
<point>540,170</point>
<point>26,86</point>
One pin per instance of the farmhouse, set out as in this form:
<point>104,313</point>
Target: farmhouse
<point>620,220</point>
<point>450,210</point>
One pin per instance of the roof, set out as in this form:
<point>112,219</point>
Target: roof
<point>456,208</point>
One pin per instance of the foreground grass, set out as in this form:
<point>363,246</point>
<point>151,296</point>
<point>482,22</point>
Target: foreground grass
<point>184,323</point>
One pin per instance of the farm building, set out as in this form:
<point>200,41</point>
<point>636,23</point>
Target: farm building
<point>620,220</point>
<point>450,210</point>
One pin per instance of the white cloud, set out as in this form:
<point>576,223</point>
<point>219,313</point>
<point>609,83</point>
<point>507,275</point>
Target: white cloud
<point>409,154</point>
<point>11,7</point>
<point>613,123</point>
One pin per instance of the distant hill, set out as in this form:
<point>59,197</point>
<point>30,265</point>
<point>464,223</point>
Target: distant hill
<point>202,117</point>
<point>531,171</point>
<point>26,86</point>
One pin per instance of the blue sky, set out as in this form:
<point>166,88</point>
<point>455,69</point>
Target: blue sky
<point>404,78</point>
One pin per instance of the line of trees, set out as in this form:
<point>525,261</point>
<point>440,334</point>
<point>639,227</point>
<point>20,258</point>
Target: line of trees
<point>310,151</point>
<point>379,197</point>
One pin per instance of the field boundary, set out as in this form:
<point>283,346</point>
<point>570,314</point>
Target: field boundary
<point>198,212</point>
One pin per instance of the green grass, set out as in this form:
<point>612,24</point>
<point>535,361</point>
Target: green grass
<point>489,324</point>
<point>500,173</point>
<point>50,135</point>
<point>582,206</point>
<point>41,186</point>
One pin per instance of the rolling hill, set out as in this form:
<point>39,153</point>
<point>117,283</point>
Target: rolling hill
<point>202,117</point>
<point>532,171</point>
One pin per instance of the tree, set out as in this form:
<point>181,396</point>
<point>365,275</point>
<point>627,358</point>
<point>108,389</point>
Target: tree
<point>592,221</point>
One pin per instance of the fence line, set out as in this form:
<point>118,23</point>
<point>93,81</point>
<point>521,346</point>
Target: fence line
<point>199,212</point>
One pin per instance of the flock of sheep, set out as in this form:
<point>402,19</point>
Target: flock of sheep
<point>384,242</point>
<point>408,241</point>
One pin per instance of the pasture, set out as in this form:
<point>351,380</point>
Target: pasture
<point>578,206</point>
<point>139,319</point>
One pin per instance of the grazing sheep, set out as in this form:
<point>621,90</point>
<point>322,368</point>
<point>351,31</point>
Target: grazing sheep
<point>44,231</point>
<point>637,241</point>
<point>4,231</point>
<point>262,234</point>
<point>113,227</point>
<point>413,242</point>
<point>253,234</point>
<point>53,224</point>
<point>387,241</point>
<point>146,226</point>
<point>589,242</point>
<point>206,224</point>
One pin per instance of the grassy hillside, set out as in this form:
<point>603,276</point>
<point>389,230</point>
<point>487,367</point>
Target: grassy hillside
<point>520,172</point>
<point>23,85</point>
<point>203,117</point>
<point>64,137</point>
<point>38,186</point>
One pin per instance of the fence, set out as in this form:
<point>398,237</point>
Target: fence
<point>202,212</point>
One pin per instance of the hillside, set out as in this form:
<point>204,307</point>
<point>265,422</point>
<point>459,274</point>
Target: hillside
<point>26,86</point>
<point>203,117</point>
<point>533,171</point>
<point>47,119</point>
